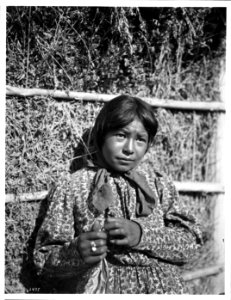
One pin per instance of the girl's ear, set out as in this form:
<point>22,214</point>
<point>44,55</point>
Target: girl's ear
<point>150,144</point>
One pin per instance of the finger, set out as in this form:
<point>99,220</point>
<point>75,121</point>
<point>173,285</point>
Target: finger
<point>92,250</point>
<point>97,247</point>
<point>99,251</point>
<point>120,242</point>
<point>85,246</point>
<point>117,232</point>
<point>97,244</point>
<point>113,225</point>
<point>96,226</point>
<point>94,235</point>
<point>116,220</point>
<point>111,219</point>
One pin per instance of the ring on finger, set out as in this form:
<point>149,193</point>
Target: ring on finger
<point>93,246</point>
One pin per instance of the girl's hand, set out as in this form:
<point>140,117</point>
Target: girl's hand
<point>92,245</point>
<point>123,232</point>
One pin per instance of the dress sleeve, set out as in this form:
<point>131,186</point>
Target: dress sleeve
<point>55,252</point>
<point>176,235</point>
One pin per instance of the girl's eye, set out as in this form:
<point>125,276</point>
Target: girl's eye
<point>120,135</point>
<point>140,139</point>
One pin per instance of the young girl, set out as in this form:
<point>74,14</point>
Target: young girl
<point>112,227</point>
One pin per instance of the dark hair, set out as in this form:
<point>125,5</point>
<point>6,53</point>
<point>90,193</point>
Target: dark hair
<point>121,111</point>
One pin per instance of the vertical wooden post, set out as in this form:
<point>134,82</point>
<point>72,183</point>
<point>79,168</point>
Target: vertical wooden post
<point>219,213</point>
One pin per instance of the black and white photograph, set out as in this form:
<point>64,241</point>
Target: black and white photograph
<point>115,149</point>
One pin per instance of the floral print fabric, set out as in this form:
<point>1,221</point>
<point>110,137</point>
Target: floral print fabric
<point>170,236</point>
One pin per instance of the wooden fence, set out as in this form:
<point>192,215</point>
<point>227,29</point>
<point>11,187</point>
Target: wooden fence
<point>185,187</point>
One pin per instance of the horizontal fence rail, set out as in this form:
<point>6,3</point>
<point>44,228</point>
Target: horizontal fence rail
<point>199,187</point>
<point>208,271</point>
<point>71,95</point>
<point>182,187</point>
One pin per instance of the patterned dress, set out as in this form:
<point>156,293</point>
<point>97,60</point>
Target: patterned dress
<point>170,237</point>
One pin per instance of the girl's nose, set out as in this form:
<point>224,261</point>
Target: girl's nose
<point>129,146</point>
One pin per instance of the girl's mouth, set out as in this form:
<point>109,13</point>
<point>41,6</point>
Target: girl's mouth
<point>125,159</point>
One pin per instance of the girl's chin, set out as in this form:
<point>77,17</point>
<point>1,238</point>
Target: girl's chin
<point>123,169</point>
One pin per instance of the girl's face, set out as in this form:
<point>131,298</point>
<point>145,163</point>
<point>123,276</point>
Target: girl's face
<point>124,148</point>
